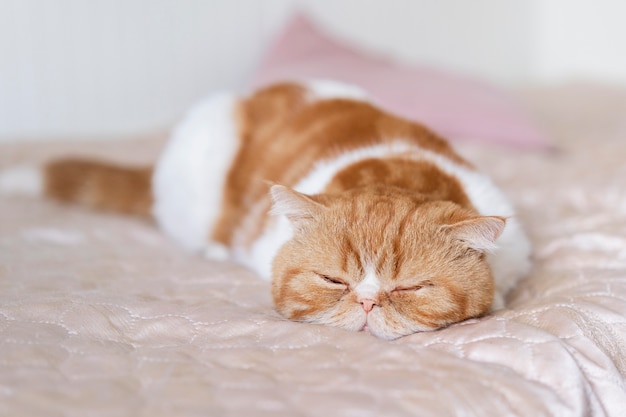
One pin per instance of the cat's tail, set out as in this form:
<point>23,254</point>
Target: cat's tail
<point>89,183</point>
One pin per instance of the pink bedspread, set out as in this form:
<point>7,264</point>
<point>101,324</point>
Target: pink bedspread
<point>100,315</point>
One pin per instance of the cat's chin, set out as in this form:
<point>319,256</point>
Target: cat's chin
<point>381,334</point>
<point>370,326</point>
<point>377,326</point>
<point>378,334</point>
<point>374,323</point>
<point>365,327</point>
<point>354,320</point>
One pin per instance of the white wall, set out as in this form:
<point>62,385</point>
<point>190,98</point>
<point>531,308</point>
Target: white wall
<point>579,39</point>
<point>85,68</point>
<point>89,67</point>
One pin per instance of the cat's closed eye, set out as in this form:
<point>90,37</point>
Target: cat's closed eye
<point>332,280</point>
<point>414,287</point>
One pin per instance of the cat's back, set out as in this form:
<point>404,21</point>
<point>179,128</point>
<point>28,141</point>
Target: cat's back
<point>300,134</point>
<point>287,128</point>
<point>229,150</point>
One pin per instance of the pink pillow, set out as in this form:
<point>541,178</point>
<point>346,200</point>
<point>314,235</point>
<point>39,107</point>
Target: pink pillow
<point>456,107</point>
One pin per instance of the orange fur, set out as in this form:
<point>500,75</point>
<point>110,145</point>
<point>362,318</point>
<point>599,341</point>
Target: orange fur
<point>100,186</point>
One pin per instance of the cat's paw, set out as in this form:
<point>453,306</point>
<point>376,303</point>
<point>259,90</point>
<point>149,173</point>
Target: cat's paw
<point>216,252</point>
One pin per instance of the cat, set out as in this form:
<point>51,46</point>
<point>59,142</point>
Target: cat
<point>362,220</point>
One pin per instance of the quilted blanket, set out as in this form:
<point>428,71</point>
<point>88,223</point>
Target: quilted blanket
<point>101,315</point>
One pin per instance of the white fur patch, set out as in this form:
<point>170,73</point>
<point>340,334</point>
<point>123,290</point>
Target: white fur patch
<point>369,286</point>
<point>189,177</point>
<point>216,251</point>
<point>324,171</point>
<point>21,180</point>
<point>261,255</point>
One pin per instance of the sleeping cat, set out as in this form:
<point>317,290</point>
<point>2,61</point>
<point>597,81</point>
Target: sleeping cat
<point>361,219</point>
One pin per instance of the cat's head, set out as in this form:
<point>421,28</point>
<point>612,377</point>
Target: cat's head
<point>382,260</point>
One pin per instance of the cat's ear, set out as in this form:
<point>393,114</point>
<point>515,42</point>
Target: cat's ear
<point>297,207</point>
<point>479,233</point>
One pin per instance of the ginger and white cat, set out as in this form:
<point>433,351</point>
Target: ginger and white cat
<point>361,219</point>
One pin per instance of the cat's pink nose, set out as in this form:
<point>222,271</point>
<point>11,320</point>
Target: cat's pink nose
<point>367,304</point>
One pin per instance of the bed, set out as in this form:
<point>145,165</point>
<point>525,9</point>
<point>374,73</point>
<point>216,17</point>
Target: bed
<point>101,315</point>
